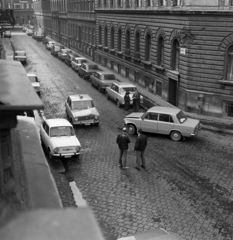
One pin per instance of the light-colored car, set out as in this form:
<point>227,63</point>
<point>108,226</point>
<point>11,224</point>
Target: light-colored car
<point>20,55</point>
<point>154,234</point>
<point>59,139</point>
<point>29,32</point>
<point>87,69</point>
<point>101,80</point>
<point>49,45</point>
<point>7,34</point>
<point>35,82</point>
<point>62,53</point>
<point>117,92</point>
<point>80,110</point>
<point>163,120</point>
<point>77,62</point>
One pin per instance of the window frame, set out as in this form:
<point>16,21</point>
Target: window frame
<point>119,38</point>
<point>175,56</point>
<point>148,46</point>
<point>105,36</point>
<point>160,51</point>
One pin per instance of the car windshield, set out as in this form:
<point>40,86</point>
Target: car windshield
<point>83,61</point>
<point>20,53</point>
<point>81,105</point>
<point>61,131</point>
<point>109,77</point>
<point>33,79</point>
<point>181,117</point>
<point>93,67</point>
<point>128,89</point>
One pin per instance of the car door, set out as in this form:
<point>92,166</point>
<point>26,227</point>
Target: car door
<point>116,93</point>
<point>111,91</point>
<point>45,134</point>
<point>165,123</point>
<point>94,79</point>
<point>149,122</point>
<point>68,108</point>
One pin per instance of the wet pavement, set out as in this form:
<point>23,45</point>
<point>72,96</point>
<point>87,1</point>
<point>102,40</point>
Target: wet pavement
<point>186,187</point>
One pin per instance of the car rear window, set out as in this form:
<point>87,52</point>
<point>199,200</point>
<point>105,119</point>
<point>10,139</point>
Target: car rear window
<point>83,61</point>
<point>81,105</point>
<point>93,67</point>
<point>181,117</point>
<point>33,79</point>
<point>20,53</point>
<point>128,89</point>
<point>61,131</point>
<point>109,77</point>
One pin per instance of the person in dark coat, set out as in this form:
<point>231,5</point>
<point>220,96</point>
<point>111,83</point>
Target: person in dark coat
<point>127,101</point>
<point>123,141</point>
<point>136,101</point>
<point>140,146</point>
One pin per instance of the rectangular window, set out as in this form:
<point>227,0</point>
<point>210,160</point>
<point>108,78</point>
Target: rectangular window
<point>137,3</point>
<point>111,3</point>
<point>127,4</point>
<point>176,2</point>
<point>119,68</point>
<point>229,109</point>
<point>126,72</point>
<point>105,3</point>
<point>119,3</point>
<point>100,59</point>
<point>148,3</point>
<point>162,2</point>
<point>105,62</point>
<point>158,88</point>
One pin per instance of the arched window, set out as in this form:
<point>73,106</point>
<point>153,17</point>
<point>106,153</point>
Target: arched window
<point>106,36</point>
<point>119,39</point>
<point>112,37</point>
<point>128,39</point>
<point>229,72</point>
<point>148,48</point>
<point>160,51</point>
<point>137,45</point>
<point>175,55</point>
<point>100,35</point>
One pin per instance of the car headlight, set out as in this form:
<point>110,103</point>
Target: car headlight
<point>56,150</point>
<point>97,117</point>
<point>76,118</point>
<point>78,148</point>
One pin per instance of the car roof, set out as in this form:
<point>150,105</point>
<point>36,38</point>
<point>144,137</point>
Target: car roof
<point>88,64</point>
<point>124,84</point>
<point>58,122</point>
<point>31,74</point>
<point>102,73</point>
<point>20,51</point>
<point>80,58</point>
<point>170,110</point>
<point>80,97</point>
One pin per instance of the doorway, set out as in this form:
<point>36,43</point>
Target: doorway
<point>172,96</point>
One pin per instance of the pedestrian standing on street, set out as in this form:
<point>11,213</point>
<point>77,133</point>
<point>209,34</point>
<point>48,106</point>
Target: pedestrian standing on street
<point>123,141</point>
<point>136,101</point>
<point>65,165</point>
<point>127,101</point>
<point>140,146</point>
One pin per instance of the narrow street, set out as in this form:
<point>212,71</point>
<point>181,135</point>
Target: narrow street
<point>187,187</point>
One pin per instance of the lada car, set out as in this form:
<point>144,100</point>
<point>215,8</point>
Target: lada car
<point>49,45</point>
<point>62,53</point>
<point>80,110</point>
<point>87,69</point>
<point>55,49</point>
<point>153,234</point>
<point>117,92</point>
<point>70,57</point>
<point>101,80</point>
<point>35,82</point>
<point>7,34</point>
<point>77,62</point>
<point>59,139</point>
<point>20,55</point>
<point>163,120</point>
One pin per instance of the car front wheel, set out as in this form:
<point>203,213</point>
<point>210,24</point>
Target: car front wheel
<point>107,96</point>
<point>175,136</point>
<point>118,103</point>
<point>131,129</point>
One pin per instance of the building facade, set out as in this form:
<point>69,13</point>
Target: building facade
<point>23,10</point>
<point>179,50</point>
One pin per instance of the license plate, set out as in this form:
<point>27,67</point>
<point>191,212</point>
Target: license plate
<point>67,156</point>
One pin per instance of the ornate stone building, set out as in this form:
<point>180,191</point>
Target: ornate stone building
<point>179,50</point>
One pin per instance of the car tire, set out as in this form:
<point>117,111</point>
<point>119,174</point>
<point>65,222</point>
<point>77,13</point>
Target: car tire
<point>131,129</point>
<point>107,96</point>
<point>175,136</point>
<point>118,103</point>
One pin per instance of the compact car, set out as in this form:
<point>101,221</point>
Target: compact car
<point>81,110</point>
<point>7,34</point>
<point>49,45</point>
<point>163,120</point>
<point>77,62</point>
<point>87,69</point>
<point>70,57</point>
<point>101,80</point>
<point>35,82</point>
<point>117,92</point>
<point>153,234</point>
<point>55,49</point>
<point>59,139</point>
<point>20,55</point>
<point>29,32</point>
<point>62,53</point>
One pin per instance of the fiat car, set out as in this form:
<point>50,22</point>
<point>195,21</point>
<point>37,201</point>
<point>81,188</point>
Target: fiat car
<point>59,139</point>
<point>80,110</point>
<point>163,120</point>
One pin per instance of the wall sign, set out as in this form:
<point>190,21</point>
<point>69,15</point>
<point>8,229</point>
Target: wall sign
<point>183,51</point>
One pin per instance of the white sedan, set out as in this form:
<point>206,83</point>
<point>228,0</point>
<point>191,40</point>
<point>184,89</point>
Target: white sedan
<point>77,62</point>
<point>58,138</point>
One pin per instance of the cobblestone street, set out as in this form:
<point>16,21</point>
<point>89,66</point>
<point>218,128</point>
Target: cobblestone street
<point>187,187</point>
